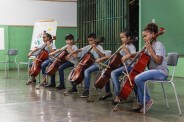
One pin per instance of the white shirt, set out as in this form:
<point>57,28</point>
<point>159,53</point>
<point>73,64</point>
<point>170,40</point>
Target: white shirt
<point>94,53</point>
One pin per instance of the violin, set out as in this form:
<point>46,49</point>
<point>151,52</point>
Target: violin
<point>76,76</point>
<point>40,58</point>
<point>59,60</point>
<point>142,61</point>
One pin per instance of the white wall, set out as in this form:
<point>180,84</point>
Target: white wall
<point>25,12</point>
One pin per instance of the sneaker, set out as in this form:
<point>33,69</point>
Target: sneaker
<point>115,101</point>
<point>148,106</point>
<point>136,106</point>
<point>72,90</point>
<point>60,87</point>
<point>51,86</point>
<point>85,94</point>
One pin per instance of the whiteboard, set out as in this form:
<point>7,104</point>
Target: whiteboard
<point>1,38</point>
<point>25,12</point>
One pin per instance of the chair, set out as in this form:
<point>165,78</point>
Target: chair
<point>10,53</point>
<point>172,60</point>
<point>25,63</point>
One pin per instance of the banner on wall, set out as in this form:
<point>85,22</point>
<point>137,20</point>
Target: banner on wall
<point>40,27</point>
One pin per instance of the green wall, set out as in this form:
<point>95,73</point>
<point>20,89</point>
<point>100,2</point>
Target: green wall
<point>167,14</point>
<point>19,37</point>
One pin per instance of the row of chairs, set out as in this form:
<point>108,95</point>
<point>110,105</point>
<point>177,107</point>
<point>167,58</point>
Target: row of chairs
<point>172,60</point>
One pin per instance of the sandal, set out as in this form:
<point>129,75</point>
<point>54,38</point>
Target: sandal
<point>30,82</point>
<point>43,83</point>
<point>116,102</point>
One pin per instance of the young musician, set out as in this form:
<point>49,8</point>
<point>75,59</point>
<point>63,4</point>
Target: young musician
<point>71,48</point>
<point>108,93</point>
<point>98,52</point>
<point>50,48</point>
<point>157,69</point>
<point>127,51</point>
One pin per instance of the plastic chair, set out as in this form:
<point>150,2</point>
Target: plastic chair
<point>172,60</point>
<point>10,53</point>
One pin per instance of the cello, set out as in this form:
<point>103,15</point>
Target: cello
<point>59,60</point>
<point>76,76</point>
<point>115,62</point>
<point>40,58</point>
<point>142,60</point>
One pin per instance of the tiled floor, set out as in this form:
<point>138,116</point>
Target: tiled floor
<point>21,103</point>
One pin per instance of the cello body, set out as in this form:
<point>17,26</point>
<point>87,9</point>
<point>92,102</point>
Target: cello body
<point>76,76</point>
<point>138,68</point>
<point>105,74</point>
<point>52,69</point>
<point>36,67</point>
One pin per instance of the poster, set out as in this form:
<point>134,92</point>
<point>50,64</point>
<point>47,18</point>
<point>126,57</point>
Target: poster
<point>2,39</point>
<point>40,27</point>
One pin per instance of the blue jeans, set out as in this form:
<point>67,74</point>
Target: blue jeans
<point>115,78</point>
<point>61,72</point>
<point>44,66</point>
<point>142,78</point>
<point>107,87</point>
<point>87,75</point>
